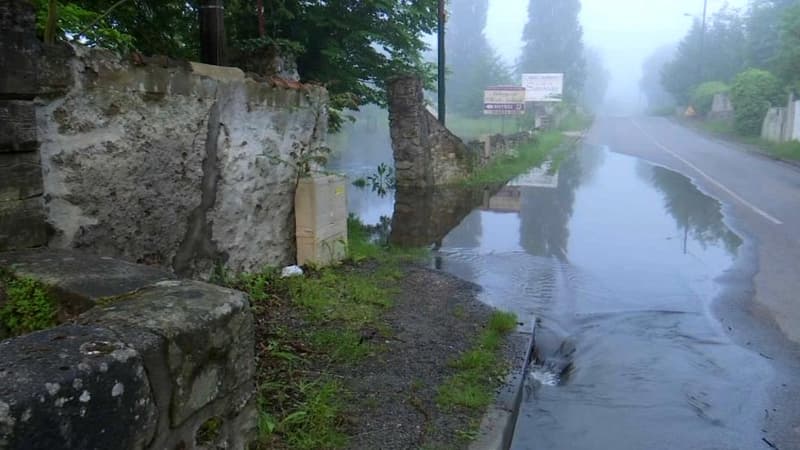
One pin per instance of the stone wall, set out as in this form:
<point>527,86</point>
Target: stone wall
<point>493,146</point>
<point>425,152</point>
<point>172,163</point>
<point>22,222</point>
<point>774,123</point>
<point>156,363</point>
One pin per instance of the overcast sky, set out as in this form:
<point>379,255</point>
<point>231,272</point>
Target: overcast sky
<point>625,31</point>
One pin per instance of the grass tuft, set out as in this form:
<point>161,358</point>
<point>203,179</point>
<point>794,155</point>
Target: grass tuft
<point>480,369</point>
<point>28,307</point>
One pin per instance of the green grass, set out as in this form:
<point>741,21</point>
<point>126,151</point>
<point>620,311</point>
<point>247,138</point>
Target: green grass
<point>28,307</point>
<point>479,370</point>
<point>504,168</point>
<point>576,122</point>
<point>785,150</point>
<point>469,128</point>
<point>332,309</point>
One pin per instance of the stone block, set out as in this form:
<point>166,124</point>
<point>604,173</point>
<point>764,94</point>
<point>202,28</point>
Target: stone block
<point>20,176</point>
<point>18,49</point>
<point>82,275</point>
<point>22,224</point>
<point>55,69</point>
<point>73,387</point>
<point>17,126</point>
<point>206,343</point>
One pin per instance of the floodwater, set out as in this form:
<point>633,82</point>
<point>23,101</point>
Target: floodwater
<point>617,262</point>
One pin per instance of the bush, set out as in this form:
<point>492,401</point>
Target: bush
<point>703,96</point>
<point>753,92</point>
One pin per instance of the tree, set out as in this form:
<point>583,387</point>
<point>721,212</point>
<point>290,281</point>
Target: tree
<point>472,62</point>
<point>763,23</point>
<point>788,57</point>
<point>597,80</point>
<point>719,55</point>
<point>553,42</point>
<point>351,47</point>
<point>650,84</point>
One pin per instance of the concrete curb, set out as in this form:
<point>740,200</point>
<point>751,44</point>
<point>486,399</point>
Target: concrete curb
<point>497,426</point>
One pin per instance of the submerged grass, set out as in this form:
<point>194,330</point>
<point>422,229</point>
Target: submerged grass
<point>507,167</point>
<point>479,370</point>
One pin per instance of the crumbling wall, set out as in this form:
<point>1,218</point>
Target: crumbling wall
<point>173,163</point>
<point>425,152</point>
<point>22,222</point>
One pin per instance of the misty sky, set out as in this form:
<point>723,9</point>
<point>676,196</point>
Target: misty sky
<point>625,31</point>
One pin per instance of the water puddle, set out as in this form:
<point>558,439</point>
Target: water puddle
<point>617,260</point>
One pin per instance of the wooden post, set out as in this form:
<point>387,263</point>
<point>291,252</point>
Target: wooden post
<point>212,32</point>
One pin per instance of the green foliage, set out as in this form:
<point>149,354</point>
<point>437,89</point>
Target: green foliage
<point>468,128</point>
<point>480,369</point>
<point>719,55</point>
<point>365,243</point>
<point>703,96</point>
<point>788,57</point>
<point>553,42</point>
<point>504,168</point>
<point>764,31</point>
<point>28,306</point>
<point>315,420</point>
<point>753,92</point>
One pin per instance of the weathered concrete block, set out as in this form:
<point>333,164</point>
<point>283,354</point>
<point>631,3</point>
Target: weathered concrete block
<point>20,176</point>
<point>22,224</point>
<point>73,387</point>
<point>55,69</point>
<point>17,126</point>
<point>198,345</point>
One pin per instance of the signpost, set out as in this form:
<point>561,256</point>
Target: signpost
<point>504,100</point>
<point>543,87</point>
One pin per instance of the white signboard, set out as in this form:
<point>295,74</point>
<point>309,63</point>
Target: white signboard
<point>543,87</point>
<point>504,100</point>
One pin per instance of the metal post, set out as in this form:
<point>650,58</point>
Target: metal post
<point>442,96</point>
<point>212,32</point>
<point>703,40</point>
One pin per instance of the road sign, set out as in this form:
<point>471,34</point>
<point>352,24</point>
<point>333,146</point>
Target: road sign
<point>504,100</point>
<point>543,87</point>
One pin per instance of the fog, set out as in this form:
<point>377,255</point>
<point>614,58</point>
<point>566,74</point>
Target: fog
<point>624,31</point>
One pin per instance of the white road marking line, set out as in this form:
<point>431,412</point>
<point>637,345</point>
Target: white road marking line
<point>710,179</point>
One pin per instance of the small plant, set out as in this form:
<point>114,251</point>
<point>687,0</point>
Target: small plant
<point>383,180</point>
<point>360,182</point>
<point>28,307</point>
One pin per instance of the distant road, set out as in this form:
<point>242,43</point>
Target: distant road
<point>761,196</point>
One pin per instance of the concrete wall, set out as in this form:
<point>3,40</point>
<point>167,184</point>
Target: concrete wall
<point>172,163</point>
<point>22,222</point>
<point>425,152</point>
<point>774,122</point>
<point>156,364</point>
<point>721,108</point>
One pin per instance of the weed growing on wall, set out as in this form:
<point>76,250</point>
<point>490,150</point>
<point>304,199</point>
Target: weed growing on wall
<point>28,306</point>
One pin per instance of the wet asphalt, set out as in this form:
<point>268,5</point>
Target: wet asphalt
<point>662,266</point>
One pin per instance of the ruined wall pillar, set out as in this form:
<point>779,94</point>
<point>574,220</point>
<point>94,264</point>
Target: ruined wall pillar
<point>22,219</point>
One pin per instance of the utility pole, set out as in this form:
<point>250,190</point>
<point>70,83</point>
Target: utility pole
<point>442,96</point>
<point>212,32</point>
<point>703,40</point>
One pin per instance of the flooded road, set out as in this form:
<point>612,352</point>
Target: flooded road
<point>619,263</point>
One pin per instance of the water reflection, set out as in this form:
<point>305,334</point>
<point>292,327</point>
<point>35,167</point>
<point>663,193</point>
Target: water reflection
<point>694,212</point>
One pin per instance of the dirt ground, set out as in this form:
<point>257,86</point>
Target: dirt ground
<point>391,393</point>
